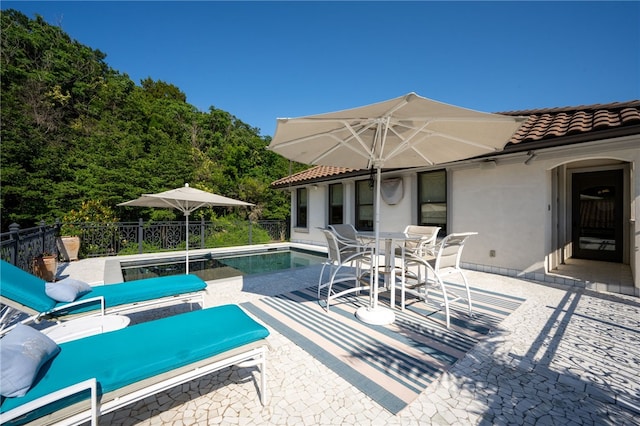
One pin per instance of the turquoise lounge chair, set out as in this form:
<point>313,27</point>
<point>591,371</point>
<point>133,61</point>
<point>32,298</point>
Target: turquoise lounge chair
<point>95,375</point>
<point>27,293</point>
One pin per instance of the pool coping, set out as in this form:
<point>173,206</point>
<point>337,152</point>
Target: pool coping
<point>113,270</point>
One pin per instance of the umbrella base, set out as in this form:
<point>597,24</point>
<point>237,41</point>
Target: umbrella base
<point>375,316</point>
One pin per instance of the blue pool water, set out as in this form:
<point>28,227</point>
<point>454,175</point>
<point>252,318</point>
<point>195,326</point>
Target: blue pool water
<point>213,267</point>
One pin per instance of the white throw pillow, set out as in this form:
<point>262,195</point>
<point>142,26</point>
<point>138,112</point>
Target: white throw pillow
<point>23,351</point>
<point>67,290</point>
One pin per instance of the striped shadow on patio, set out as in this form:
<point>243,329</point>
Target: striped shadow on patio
<point>391,364</point>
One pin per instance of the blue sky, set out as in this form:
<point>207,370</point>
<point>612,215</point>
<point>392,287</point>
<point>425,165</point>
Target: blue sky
<point>264,60</point>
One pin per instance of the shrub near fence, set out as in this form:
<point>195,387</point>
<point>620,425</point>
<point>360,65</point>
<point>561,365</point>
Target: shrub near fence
<point>21,246</point>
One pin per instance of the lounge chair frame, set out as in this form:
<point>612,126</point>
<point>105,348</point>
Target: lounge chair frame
<point>252,353</point>
<point>12,308</point>
<point>64,311</point>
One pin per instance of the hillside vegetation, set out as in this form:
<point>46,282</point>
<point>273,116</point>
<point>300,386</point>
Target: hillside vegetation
<point>76,130</point>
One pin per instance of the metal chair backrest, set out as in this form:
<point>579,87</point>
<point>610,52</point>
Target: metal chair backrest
<point>345,231</point>
<point>426,231</point>
<point>450,250</point>
<point>428,242</point>
<point>334,254</point>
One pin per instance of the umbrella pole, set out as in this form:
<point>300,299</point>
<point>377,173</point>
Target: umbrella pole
<point>375,314</point>
<point>376,275</point>
<point>186,214</point>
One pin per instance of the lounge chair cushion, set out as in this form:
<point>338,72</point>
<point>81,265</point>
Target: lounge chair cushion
<point>29,290</point>
<point>24,288</point>
<point>23,351</point>
<point>67,290</point>
<point>142,290</point>
<point>129,355</point>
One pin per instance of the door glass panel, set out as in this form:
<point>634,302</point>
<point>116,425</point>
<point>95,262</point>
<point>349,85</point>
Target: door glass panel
<point>597,218</point>
<point>597,215</point>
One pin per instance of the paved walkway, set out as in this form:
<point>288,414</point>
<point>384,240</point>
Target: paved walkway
<point>565,357</point>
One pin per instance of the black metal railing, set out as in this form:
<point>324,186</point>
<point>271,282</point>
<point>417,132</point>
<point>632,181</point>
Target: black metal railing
<point>21,246</point>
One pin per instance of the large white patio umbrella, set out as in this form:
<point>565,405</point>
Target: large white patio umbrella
<point>408,131</point>
<point>187,200</point>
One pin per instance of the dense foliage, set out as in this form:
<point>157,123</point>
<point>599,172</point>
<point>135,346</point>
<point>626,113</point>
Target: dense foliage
<point>75,130</point>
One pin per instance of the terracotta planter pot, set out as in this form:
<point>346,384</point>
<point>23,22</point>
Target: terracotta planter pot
<point>70,248</point>
<point>46,267</point>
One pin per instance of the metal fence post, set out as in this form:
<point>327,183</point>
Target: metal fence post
<point>202,232</point>
<point>41,232</point>
<point>250,232</point>
<point>140,235</point>
<point>14,229</point>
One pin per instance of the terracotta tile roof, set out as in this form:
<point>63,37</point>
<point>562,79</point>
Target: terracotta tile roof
<point>550,125</point>
<point>545,124</point>
<point>316,172</point>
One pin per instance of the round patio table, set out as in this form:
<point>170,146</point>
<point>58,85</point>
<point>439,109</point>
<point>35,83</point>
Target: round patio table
<point>85,326</point>
<point>374,313</point>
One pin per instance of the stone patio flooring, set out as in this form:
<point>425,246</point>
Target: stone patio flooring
<point>567,356</point>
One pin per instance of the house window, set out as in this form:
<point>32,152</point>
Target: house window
<point>336,204</point>
<point>301,208</point>
<point>432,199</point>
<point>364,206</point>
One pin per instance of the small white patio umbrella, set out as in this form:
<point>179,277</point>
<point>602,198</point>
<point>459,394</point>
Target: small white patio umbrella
<point>187,200</point>
<point>408,131</point>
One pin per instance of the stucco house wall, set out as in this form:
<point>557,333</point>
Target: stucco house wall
<point>518,200</point>
<point>508,207</point>
<point>518,210</point>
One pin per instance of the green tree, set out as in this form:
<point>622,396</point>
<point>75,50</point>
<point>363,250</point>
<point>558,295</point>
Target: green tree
<point>75,130</point>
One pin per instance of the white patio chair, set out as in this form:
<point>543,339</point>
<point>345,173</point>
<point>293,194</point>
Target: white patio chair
<point>426,246</point>
<point>422,275</point>
<point>344,266</point>
<point>347,238</point>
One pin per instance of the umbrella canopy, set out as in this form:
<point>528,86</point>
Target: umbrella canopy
<point>408,131</point>
<point>187,200</point>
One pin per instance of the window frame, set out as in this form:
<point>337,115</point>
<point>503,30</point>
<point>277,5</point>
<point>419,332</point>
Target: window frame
<point>358,206</point>
<point>331,205</point>
<point>445,201</point>
<point>302,210</point>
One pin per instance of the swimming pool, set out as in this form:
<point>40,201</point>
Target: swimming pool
<point>214,266</point>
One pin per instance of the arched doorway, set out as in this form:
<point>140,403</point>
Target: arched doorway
<point>591,209</point>
<point>590,228</point>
